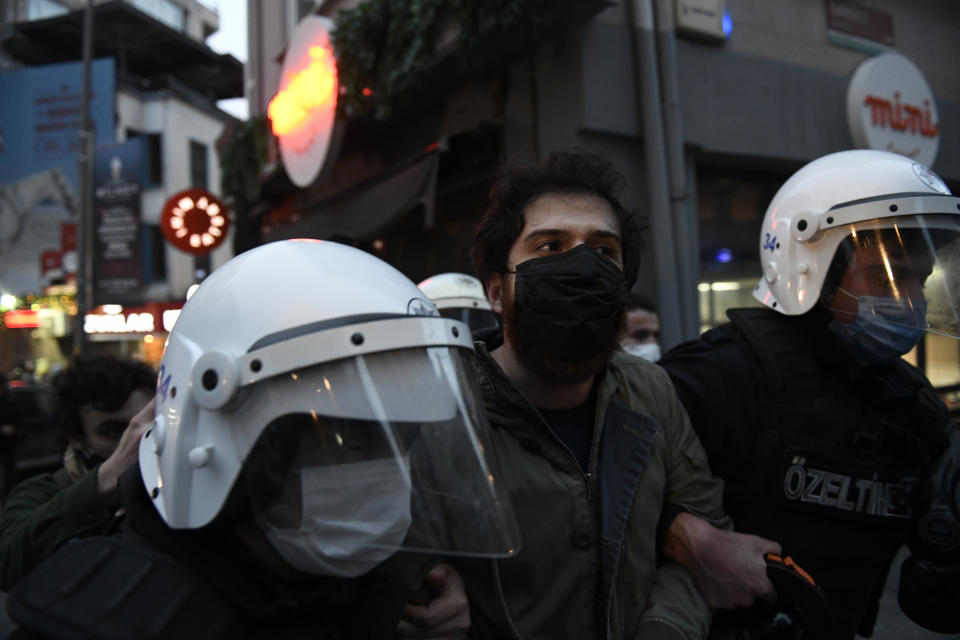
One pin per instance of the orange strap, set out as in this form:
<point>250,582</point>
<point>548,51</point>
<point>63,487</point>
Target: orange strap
<point>788,561</point>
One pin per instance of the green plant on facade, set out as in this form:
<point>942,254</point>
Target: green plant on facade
<point>241,165</point>
<point>383,45</point>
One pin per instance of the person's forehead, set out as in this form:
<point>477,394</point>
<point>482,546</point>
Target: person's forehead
<point>642,318</point>
<point>137,399</point>
<point>569,212</point>
<point>877,255</point>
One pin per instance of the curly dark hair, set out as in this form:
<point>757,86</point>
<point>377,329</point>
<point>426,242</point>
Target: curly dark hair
<point>103,382</point>
<point>571,172</point>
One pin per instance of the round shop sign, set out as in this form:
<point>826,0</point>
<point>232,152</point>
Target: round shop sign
<point>194,221</point>
<point>890,107</point>
<point>302,113</point>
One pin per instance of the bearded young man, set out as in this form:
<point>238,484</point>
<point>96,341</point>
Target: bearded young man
<point>593,442</point>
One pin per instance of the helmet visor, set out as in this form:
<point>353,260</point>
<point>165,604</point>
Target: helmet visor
<point>910,263</point>
<point>477,319</point>
<point>387,450</point>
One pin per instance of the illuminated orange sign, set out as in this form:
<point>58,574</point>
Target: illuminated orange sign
<point>303,110</point>
<point>194,221</point>
<point>309,89</point>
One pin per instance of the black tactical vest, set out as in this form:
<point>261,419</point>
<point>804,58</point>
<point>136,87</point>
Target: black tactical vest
<point>830,465</point>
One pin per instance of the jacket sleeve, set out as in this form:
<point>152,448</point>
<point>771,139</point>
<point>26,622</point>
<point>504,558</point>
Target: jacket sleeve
<point>676,610</point>
<point>675,601</point>
<point>39,517</point>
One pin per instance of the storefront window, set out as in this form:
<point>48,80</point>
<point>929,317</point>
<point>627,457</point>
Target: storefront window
<point>943,360</point>
<point>717,297</point>
<point>730,210</point>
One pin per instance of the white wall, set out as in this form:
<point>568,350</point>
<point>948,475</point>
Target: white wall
<point>179,122</point>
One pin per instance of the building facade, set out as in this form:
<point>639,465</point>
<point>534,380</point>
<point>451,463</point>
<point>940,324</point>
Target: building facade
<point>706,119</point>
<point>165,86</point>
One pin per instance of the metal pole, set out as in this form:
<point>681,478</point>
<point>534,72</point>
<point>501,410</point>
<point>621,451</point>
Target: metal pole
<point>85,186</point>
<point>687,245</point>
<point>644,52</point>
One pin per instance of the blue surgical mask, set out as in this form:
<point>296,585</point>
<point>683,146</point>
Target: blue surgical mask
<point>885,328</point>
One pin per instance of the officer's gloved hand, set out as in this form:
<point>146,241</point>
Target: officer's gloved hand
<point>801,610</point>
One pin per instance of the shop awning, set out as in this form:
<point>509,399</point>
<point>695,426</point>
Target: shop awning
<point>364,211</point>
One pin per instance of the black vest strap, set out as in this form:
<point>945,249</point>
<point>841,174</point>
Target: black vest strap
<point>784,354</point>
<point>100,588</point>
<point>791,374</point>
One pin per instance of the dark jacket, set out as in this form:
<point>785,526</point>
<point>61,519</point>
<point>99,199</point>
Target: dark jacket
<point>588,563</point>
<point>41,514</point>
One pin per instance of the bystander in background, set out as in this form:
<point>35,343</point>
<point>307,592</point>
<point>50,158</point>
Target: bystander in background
<point>9,419</point>
<point>100,401</point>
<point>643,328</point>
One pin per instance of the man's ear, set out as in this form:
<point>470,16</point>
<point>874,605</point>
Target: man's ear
<point>494,293</point>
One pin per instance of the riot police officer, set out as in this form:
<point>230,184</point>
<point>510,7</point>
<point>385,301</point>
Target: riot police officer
<point>829,442</point>
<point>317,449</point>
<point>461,297</point>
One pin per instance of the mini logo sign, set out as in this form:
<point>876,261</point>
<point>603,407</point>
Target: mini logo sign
<point>194,221</point>
<point>890,107</point>
<point>303,110</point>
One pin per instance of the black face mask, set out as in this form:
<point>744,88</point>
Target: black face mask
<point>89,460</point>
<point>569,306</point>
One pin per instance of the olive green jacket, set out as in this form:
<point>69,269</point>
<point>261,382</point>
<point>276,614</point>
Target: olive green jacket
<point>40,515</point>
<point>588,561</point>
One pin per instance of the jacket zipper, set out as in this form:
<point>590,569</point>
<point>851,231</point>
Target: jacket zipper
<point>588,481</point>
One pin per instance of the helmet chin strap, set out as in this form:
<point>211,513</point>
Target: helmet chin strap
<point>826,298</point>
<point>236,508</point>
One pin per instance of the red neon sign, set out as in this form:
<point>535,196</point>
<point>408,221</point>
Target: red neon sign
<point>22,319</point>
<point>194,221</point>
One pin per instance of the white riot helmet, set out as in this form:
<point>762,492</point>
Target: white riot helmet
<point>318,379</point>
<point>461,297</point>
<point>845,200</point>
